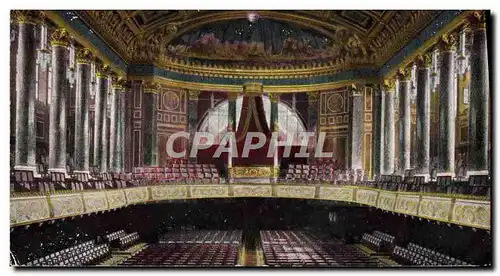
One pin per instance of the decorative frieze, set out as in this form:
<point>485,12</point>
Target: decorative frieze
<point>252,190</point>
<point>66,205</point>
<point>295,191</point>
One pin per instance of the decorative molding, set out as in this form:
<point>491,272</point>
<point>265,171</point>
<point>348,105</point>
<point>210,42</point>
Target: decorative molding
<point>436,208</point>
<point>295,191</point>
<point>168,192</point>
<point>458,209</point>
<point>337,193</point>
<point>367,197</point>
<point>67,205</point>
<point>252,190</point>
<point>60,37</point>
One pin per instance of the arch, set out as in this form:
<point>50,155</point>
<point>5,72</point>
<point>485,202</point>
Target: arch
<point>289,121</point>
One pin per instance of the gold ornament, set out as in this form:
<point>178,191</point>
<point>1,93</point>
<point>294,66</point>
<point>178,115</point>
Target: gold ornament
<point>151,87</point>
<point>448,42</point>
<point>28,16</point>
<point>60,37</point>
<point>103,71</point>
<point>84,56</point>
<point>424,61</point>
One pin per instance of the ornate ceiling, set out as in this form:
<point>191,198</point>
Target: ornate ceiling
<point>356,39</point>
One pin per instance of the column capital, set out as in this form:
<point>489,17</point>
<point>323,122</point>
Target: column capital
<point>274,97</point>
<point>103,71</point>
<point>354,90</point>
<point>388,85</point>
<point>117,82</point>
<point>193,94</point>
<point>448,42</point>
<point>312,96</point>
<point>151,87</point>
<point>232,96</point>
<point>424,61</point>
<point>404,74</point>
<point>60,37</point>
<point>28,16</point>
<point>477,19</point>
<point>84,56</point>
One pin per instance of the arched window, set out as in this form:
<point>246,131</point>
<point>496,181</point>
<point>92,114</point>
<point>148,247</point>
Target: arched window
<point>289,122</point>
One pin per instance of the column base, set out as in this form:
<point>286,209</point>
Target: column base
<point>25,168</point>
<point>28,168</point>
<point>473,173</point>
<point>82,172</point>
<point>425,175</point>
<point>452,174</point>
<point>58,170</point>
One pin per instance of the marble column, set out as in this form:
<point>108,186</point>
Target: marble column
<point>356,128</point>
<point>378,131</point>
<point>192,120</point>
<point>478,156</point>
<point>232,97</point>
<point>389,128</point>
<point>59,94</point>
<point>121,130</point>
<point>149,111</point>
<point>82,110</point>
<point>312,123</point>
<point>447,113</point>
<point>25,131</point>
<point>100,119</point>
<point>275,128</point>
<point>114,125</point>
<point>422,151</point>
<point>231,128</point>
<point>404,120</point>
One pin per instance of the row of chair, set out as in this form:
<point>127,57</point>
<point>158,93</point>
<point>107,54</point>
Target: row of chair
<point>202,236</point>
<point>303,249</point>
<point>87,253</point>
<point>125,241</point>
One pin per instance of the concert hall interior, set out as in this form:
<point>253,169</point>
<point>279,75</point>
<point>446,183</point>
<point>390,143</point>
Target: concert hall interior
<point>129,130</point>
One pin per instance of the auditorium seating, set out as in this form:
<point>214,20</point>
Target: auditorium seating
<point>304,249</point>
<point>418,255</point>
<point>185,255</point>
<point>122,240</point>
<point>378,241</point>
<point>178,173</point>
<point>202,236</point>
<point>298,173</point>
<point>87,253</point>
<point>192,248</point>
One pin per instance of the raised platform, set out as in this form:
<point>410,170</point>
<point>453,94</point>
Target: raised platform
<point>464,210</point>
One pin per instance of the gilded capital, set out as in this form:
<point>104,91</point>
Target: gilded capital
<point>477,19</point>
<point>232,96</point>
<point>28,16</point>
<point>274,97</point>
<point>388,85</point>
<point>312,96</point>
<point>404,74</point>
<point>424,61</point>
<point>84,56</point>
<point>103,71</point>
<point>117,82</point>
<point>193,94</point>
<point>252,88</point>
<point>353,89</point>
<point>151,87</point>
<point>448,42</point>
<point>60,37</point>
